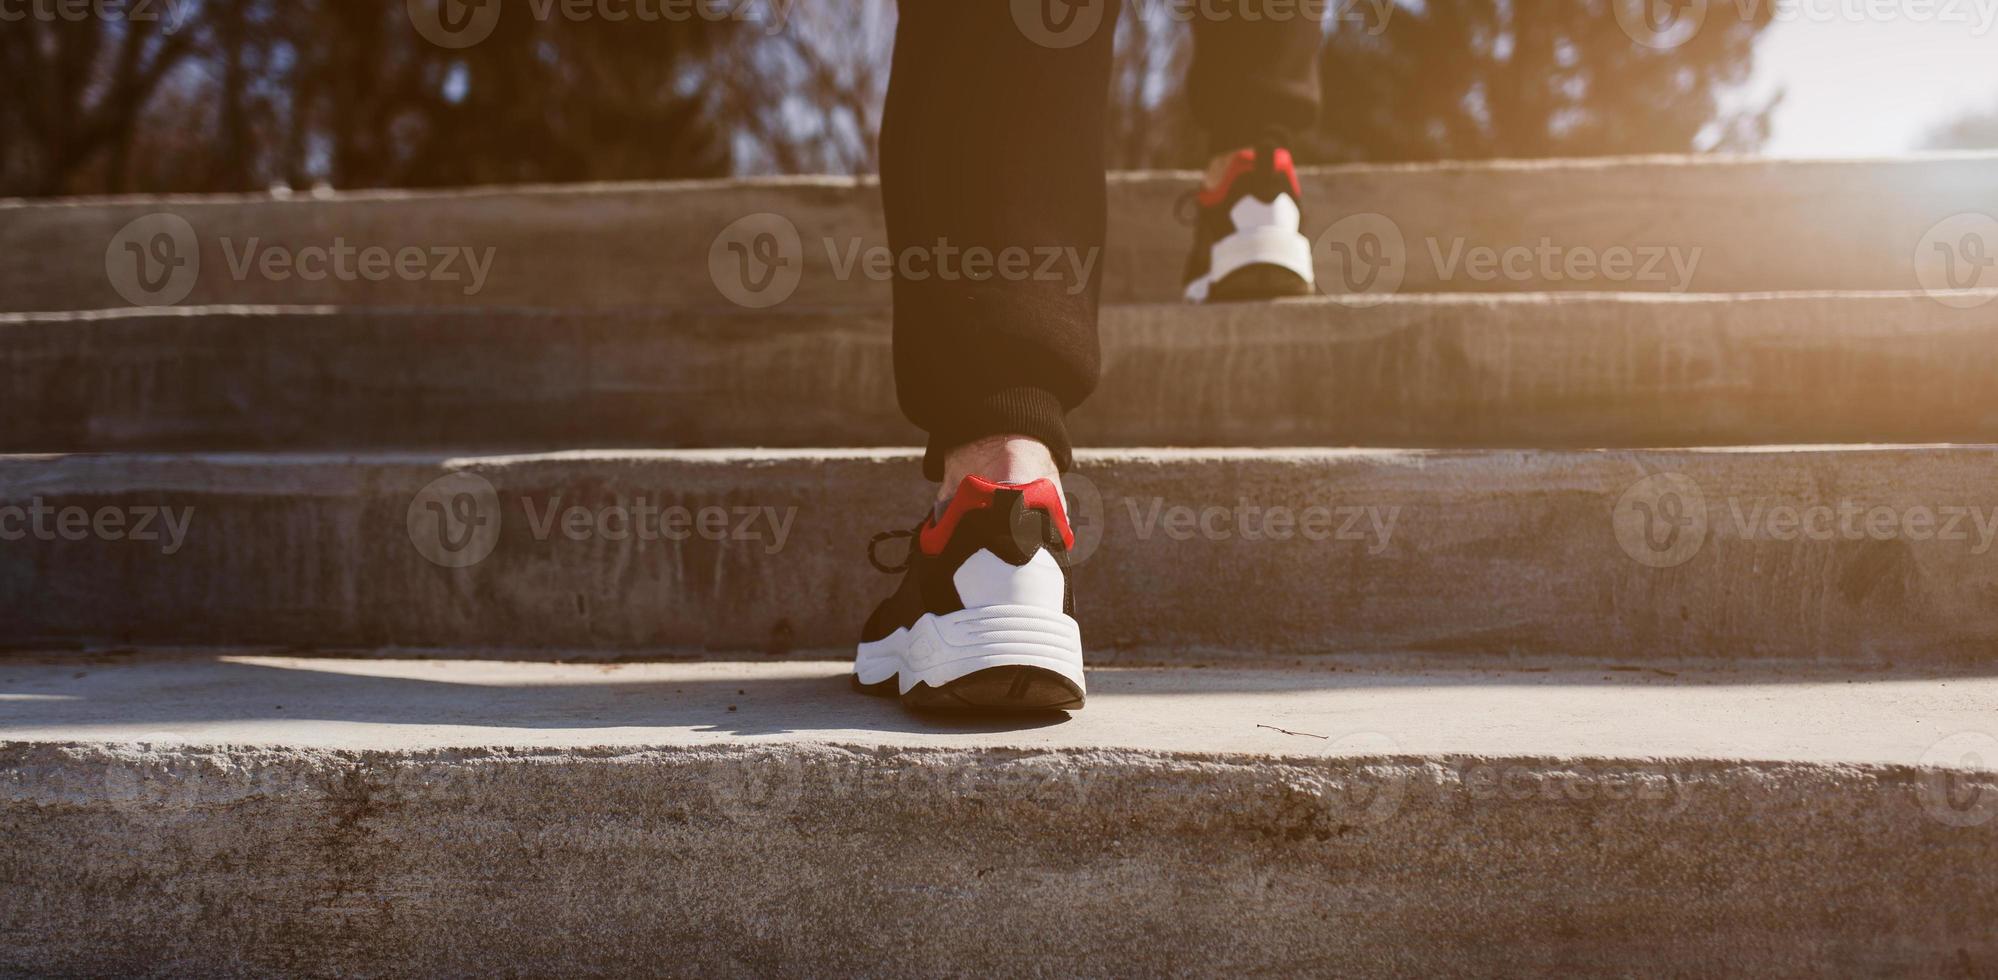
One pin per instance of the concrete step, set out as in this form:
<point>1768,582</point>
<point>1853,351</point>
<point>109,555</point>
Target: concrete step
<point>1871,555</point>
<point>251,815</point>
<point>1466,371</point>
<point>1666,224</point>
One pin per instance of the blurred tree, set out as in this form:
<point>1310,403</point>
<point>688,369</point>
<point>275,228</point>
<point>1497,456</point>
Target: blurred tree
<point>249,93</point>
<point>804,95</point>
<point>1149,122</point>
<point>245,94</point>
<point>540,100</point>
<point>1470,79</point>
<point>75,91</point>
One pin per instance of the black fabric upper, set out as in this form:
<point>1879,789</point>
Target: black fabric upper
<point>1264,183</point>
<point>1010,529</point>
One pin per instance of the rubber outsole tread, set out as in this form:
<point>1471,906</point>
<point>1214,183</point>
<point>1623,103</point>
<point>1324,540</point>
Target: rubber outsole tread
<point>996,689</point>
<point>1254,283</point>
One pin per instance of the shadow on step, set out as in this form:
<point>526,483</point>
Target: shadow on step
<point>39,694</point>
<point>130,696</point>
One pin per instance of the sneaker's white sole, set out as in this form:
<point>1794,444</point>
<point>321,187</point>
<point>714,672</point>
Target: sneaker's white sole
<point>940,649</point>
<point>1266,233</point>
<point>1267,245</point>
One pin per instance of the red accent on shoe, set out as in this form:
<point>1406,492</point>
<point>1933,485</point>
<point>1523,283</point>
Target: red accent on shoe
<point>1243,162</point>
<point>977,494</point>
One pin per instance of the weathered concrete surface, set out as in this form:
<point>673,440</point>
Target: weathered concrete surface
<point>1070,849</point>
<point>1840,555</point>
<point>1547,370</point>
<point>1756,225</point>
<point>383,704</point>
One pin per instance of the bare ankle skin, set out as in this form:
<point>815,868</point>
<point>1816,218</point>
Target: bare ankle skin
<point>1000,459</point>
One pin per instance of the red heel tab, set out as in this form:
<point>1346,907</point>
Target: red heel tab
<point>1244,162</point>
<point>976,494</point>
<point>1288,168</point>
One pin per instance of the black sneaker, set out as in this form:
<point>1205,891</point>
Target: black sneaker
<point>1247,242</point>
<point>985,619</point>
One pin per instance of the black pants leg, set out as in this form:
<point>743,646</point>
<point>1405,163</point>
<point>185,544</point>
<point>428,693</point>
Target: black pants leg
<point>1255,70</point>
<point>992,141</point>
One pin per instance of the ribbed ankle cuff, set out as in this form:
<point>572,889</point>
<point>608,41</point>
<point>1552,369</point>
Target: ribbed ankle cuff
<point>1242,137</point>
<point>1032,412</point>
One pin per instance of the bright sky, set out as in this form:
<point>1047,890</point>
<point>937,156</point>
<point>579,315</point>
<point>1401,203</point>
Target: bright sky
<point>1864,86</point>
